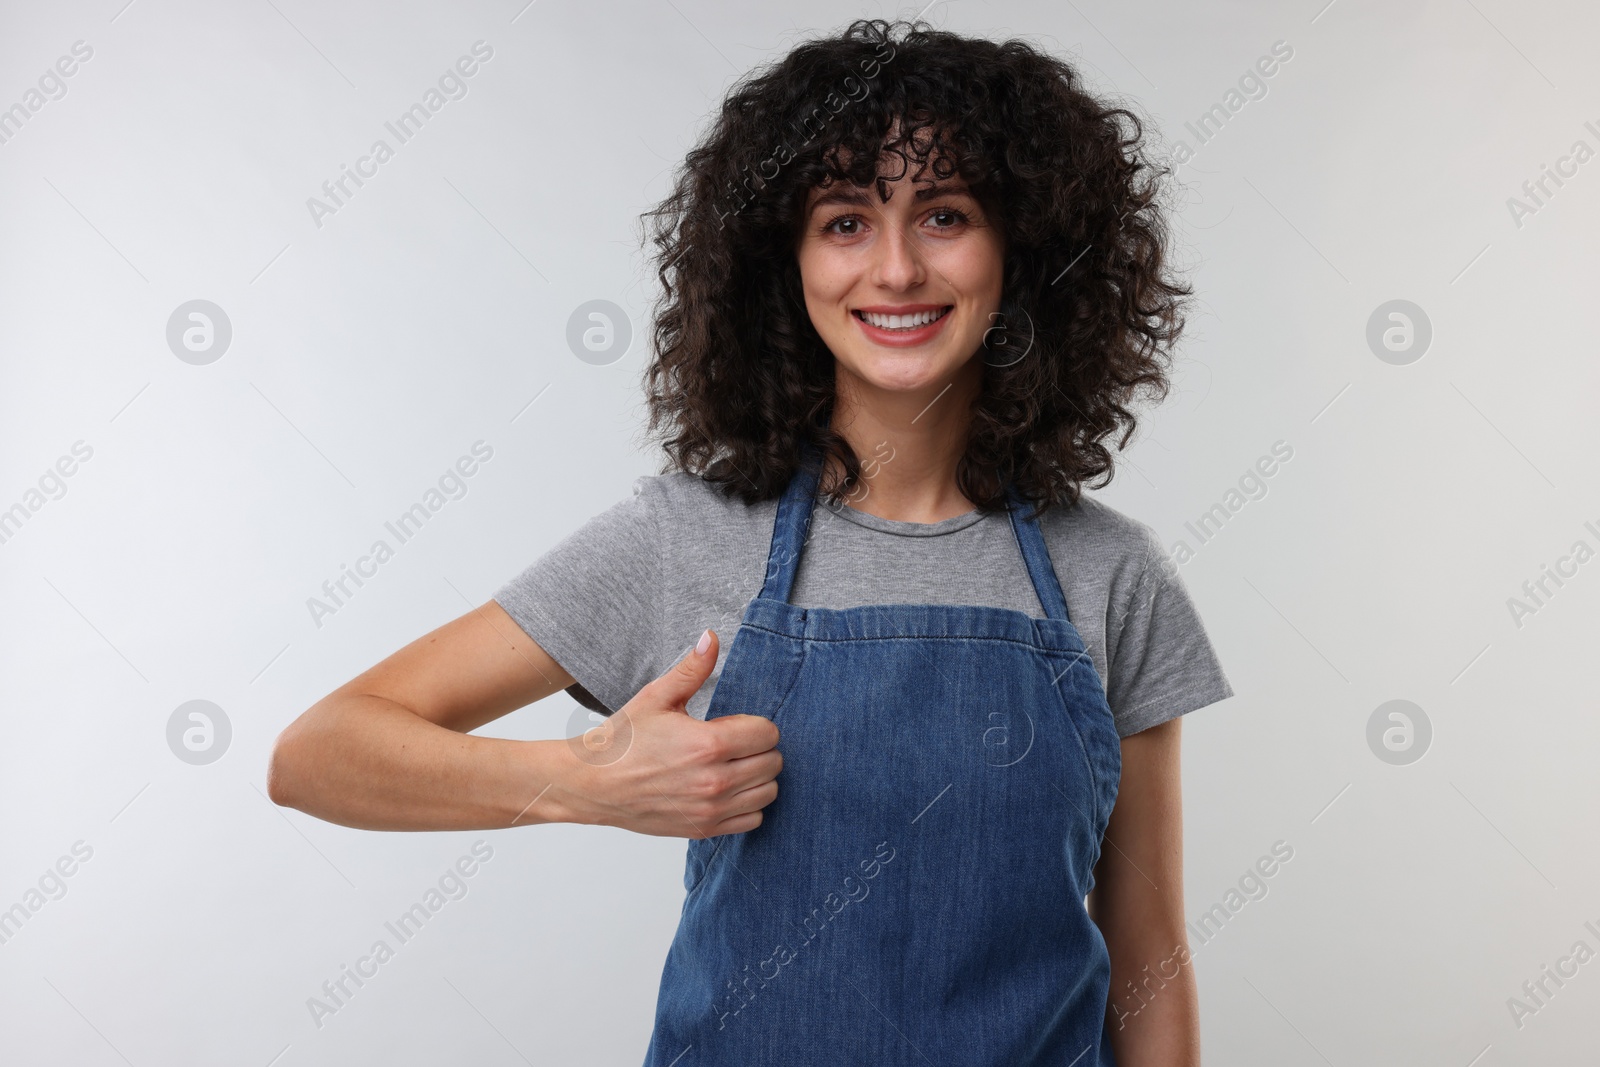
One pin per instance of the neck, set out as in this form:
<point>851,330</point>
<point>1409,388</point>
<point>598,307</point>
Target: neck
<point>908,443</point>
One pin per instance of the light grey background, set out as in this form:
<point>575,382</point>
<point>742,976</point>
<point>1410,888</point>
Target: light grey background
<point>431,312</point>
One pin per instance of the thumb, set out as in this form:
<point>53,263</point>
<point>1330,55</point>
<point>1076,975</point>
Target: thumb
<point>677,685</point>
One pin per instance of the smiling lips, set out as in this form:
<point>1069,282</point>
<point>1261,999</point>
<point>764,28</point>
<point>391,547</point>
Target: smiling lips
<point>903,326</point>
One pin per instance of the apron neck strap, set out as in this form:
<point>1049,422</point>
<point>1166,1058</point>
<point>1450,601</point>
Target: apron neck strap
<point>791,529</point>
<point>1034,553</point>
<point>792,526</point>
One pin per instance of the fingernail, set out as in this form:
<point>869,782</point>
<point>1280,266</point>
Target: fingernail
<point>705,643</point>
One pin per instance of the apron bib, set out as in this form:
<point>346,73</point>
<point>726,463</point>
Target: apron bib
<point>915,893</point>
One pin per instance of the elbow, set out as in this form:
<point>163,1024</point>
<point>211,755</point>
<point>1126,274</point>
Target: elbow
<point>284,770</point>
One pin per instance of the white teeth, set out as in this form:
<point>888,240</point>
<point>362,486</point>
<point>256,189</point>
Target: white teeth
<point>901,322</point>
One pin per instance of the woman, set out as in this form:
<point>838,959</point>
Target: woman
<point>911,281</point>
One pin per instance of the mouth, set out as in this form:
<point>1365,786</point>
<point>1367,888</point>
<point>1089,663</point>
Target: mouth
<point>909,328</point>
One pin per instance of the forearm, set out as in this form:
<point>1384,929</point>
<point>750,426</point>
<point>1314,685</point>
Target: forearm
<point>1154,1006</point>
<point>369,763</point>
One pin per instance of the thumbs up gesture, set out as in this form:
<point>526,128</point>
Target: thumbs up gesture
<point>655,769</point>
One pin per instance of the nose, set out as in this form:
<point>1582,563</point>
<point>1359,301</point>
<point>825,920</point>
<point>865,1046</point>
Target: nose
<point>897,261</point>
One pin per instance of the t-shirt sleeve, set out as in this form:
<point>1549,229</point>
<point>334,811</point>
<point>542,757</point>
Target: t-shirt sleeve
<point>593,600</point>
<point>1162,664</point>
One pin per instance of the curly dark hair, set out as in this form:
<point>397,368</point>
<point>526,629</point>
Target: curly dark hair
<point>741,381</point>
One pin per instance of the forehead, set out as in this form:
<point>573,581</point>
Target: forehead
<point>849,193</point>
<point>902,162</point>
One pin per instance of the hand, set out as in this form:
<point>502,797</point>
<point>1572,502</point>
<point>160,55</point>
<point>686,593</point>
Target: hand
<point>679,776</point>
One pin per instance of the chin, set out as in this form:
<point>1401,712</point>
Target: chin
<point>912,375</point>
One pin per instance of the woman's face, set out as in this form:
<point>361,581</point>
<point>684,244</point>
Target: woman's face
<point>901,291</point>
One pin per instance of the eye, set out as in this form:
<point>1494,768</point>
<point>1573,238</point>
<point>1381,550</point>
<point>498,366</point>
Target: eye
<point>828,227</point>
<point>955,217</point>
<point>950,212</point>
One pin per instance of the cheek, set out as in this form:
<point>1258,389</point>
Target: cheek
<point>982,267</point>
<point>978,276</point>
<point>823,309</point>
<point>828,274</point>
<point>973,267</point>
<point>826,298</point>
<point>819,280</point>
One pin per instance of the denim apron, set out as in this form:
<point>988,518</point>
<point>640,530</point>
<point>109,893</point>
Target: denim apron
<point>915,892</point>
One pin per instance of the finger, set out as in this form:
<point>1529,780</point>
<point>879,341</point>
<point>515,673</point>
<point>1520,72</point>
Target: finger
<point>751,771</point>
<point>745,735</point>
<point>674,688</point>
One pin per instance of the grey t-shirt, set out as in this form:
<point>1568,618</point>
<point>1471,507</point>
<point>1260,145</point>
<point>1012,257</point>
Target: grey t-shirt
<point>626,595</point>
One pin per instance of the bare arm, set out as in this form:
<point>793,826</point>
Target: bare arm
<point>1137,902</point>
<point>390,749</point>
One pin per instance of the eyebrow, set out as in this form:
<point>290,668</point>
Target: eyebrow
<point>855,194</point>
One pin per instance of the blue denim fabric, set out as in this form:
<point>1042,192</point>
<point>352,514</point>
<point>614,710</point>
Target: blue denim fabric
<point>915,893</point>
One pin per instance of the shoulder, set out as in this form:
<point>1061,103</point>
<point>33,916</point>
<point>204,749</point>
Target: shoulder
<point>698,529</point>
<point>681,489</point>
<point>680,497</point>
<point>1092,532</point>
